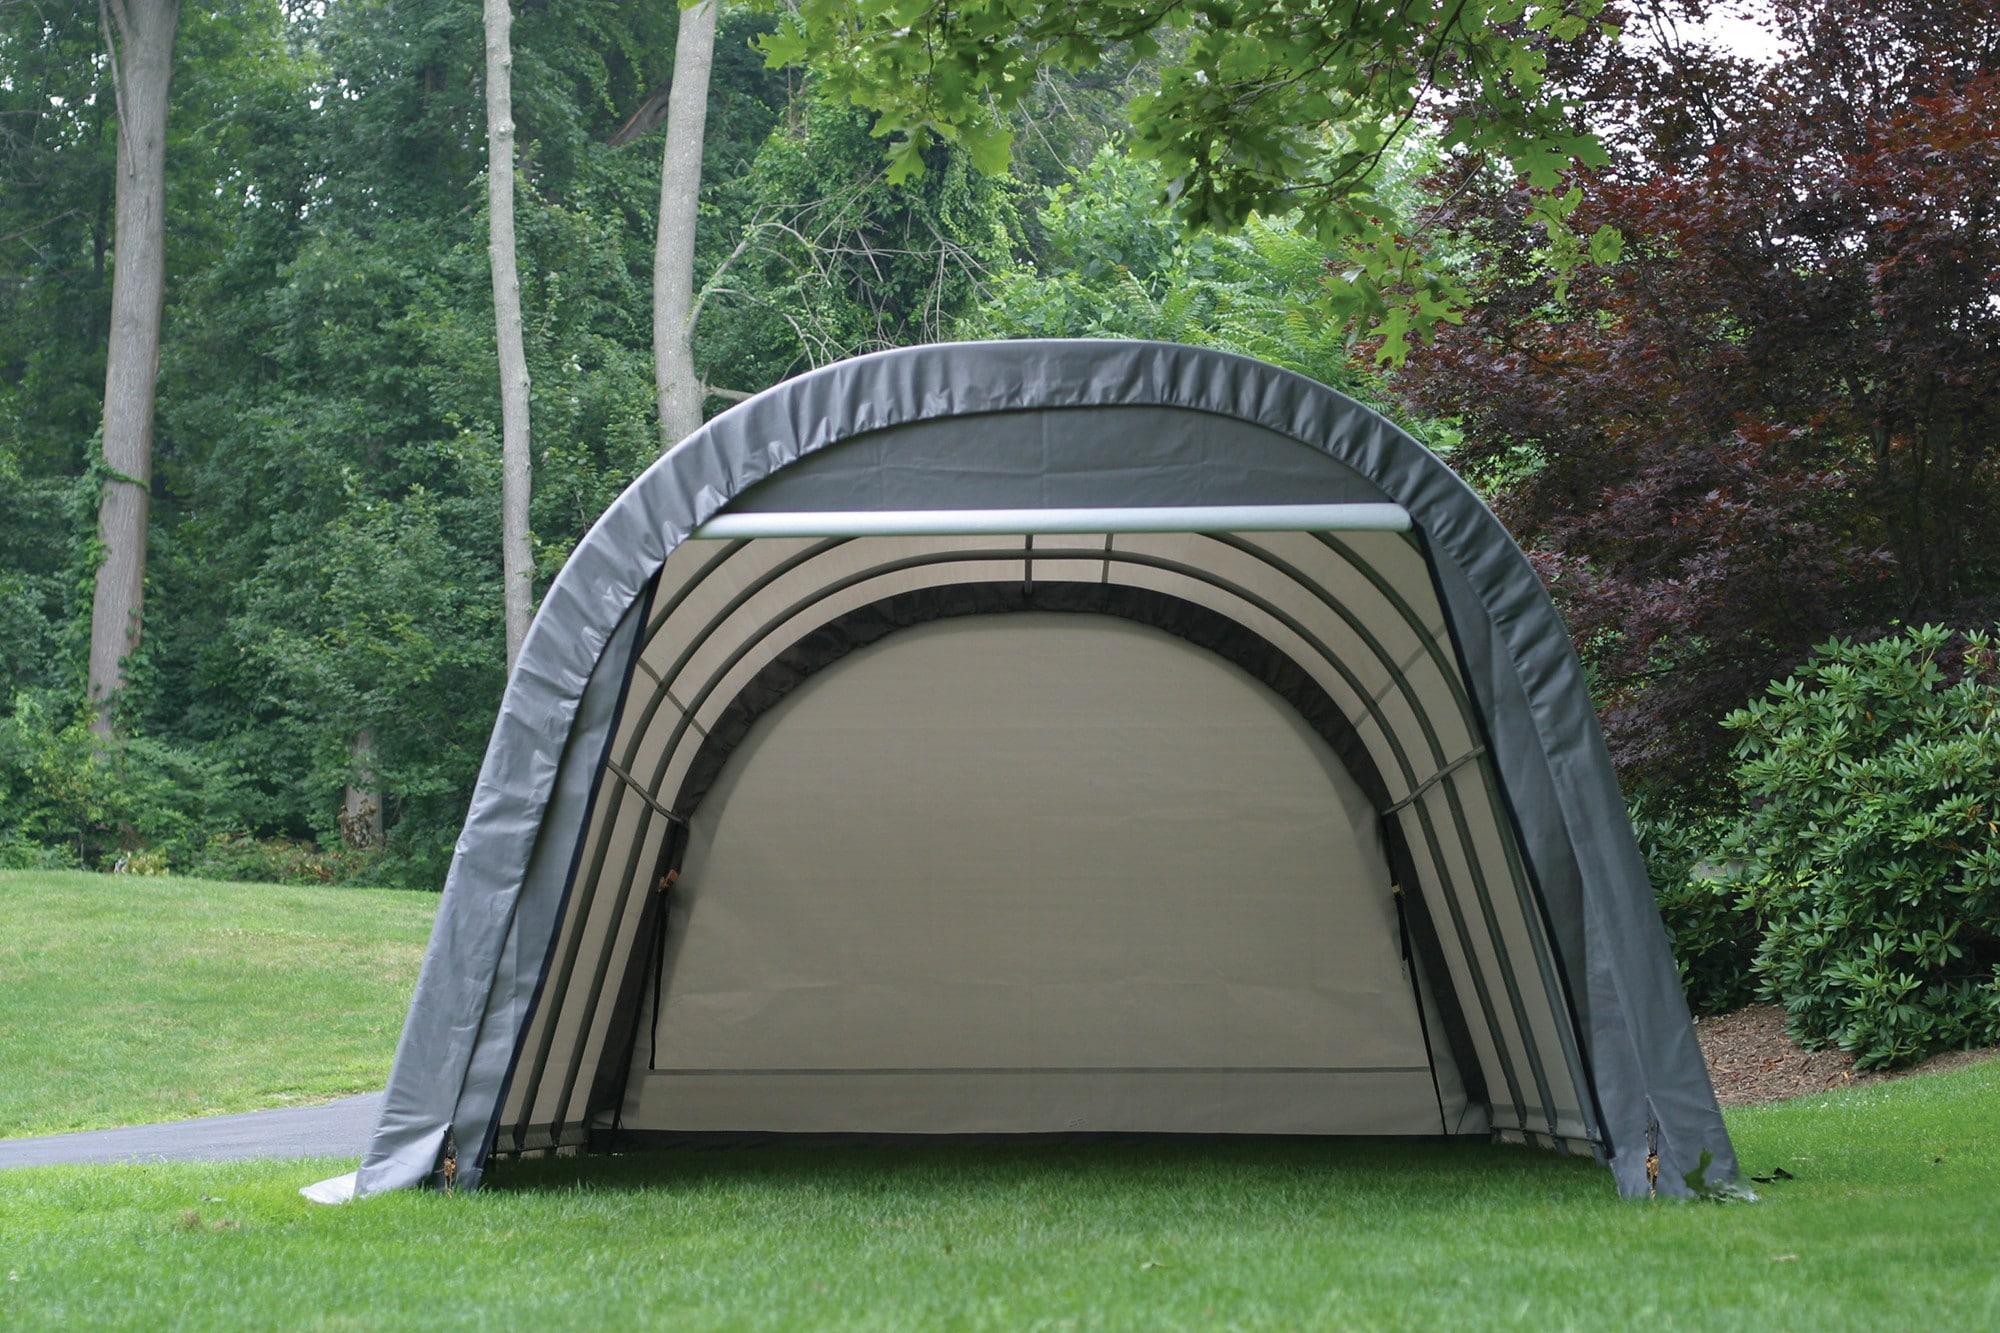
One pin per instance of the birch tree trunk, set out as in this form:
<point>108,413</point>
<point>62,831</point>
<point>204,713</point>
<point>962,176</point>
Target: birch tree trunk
<point>516,557</point>
<point>140,36</point>
<point>678,386</point>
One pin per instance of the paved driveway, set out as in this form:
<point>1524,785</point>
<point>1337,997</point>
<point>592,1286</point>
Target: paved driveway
<point>335,1129</point>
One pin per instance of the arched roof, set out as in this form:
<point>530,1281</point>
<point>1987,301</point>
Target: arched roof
<point>1439,652</point>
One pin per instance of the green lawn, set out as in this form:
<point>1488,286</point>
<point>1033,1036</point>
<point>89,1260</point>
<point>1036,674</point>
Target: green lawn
<point>125,999</point>
<point>1890,1222</point>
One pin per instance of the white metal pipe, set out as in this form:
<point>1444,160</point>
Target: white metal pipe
<point>1007,522</point>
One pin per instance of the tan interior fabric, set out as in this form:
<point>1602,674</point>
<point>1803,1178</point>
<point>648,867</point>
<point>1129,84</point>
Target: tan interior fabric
<point>1028,873</point>
<point>1356,611</point>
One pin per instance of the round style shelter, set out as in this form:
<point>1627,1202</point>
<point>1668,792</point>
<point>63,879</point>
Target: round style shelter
<point>1039,737</point>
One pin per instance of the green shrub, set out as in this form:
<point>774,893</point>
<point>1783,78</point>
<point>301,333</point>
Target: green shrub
<point>238,856</point>
<point>54,796</point>
<point>1711,929</point>
<point>1870,844</point>
<point>145,808</point>
<point>67,800</point>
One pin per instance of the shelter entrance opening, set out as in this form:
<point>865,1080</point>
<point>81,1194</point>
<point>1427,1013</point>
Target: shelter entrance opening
<point>1047,821</point>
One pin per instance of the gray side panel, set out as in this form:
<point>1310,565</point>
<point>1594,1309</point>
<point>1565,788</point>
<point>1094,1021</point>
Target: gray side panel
<point>1649,1078</point>
<point>1062,458</point>
<point>490,946</point>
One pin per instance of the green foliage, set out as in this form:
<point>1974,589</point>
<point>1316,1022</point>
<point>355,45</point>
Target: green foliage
<point>43,574</point>
<point>1712,935</point>
<point>325,553</point>
<point>827,259</point>
<point>1871,846</point>
<point>1111,265</point>
<point>324,556</point>
<point>1262,107</point>
<point>65,800</point>
<point>351,630</point>
<point>242,858</point>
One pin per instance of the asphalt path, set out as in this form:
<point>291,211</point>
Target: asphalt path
<point>333,1129</point>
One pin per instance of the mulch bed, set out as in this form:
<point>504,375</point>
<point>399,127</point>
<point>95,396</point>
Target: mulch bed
<point>1751,1060</point>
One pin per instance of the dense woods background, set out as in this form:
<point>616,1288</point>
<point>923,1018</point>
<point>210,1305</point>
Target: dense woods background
<point>1730,369</point>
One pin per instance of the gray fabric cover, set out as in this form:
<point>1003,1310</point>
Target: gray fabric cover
<point>1042,423</point>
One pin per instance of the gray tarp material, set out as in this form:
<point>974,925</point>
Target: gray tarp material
<point>1054,424</point>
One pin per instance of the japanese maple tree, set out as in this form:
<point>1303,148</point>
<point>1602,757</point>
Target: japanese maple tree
<point>1778,414</point>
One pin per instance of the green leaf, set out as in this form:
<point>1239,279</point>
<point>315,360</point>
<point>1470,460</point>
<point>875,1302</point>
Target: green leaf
<point>906,158</point>
<point>781,47</point>
<point>1394,329</point>
<point>1606,245</point>
<point>991,147</point>
<point>1543,163</point>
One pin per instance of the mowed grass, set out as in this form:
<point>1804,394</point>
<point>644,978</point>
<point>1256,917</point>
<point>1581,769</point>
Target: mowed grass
<point>1890,1223</point>
<point>125,999</point>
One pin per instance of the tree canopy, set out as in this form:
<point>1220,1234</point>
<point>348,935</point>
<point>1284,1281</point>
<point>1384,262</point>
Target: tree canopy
<point>1720,341</point>
<point>1776,416</point>
<point>1257,107</point>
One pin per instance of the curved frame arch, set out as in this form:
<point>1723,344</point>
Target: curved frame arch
<point>505,893</point>
<point>785,628</point>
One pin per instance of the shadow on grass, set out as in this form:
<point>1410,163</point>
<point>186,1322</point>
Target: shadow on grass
<point>1113,1165</point>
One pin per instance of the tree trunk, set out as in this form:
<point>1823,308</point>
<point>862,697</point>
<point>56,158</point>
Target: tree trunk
<point>361,823</point>
<point>140,35</point>
<point>674,377</point>
<point>516,558</point>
